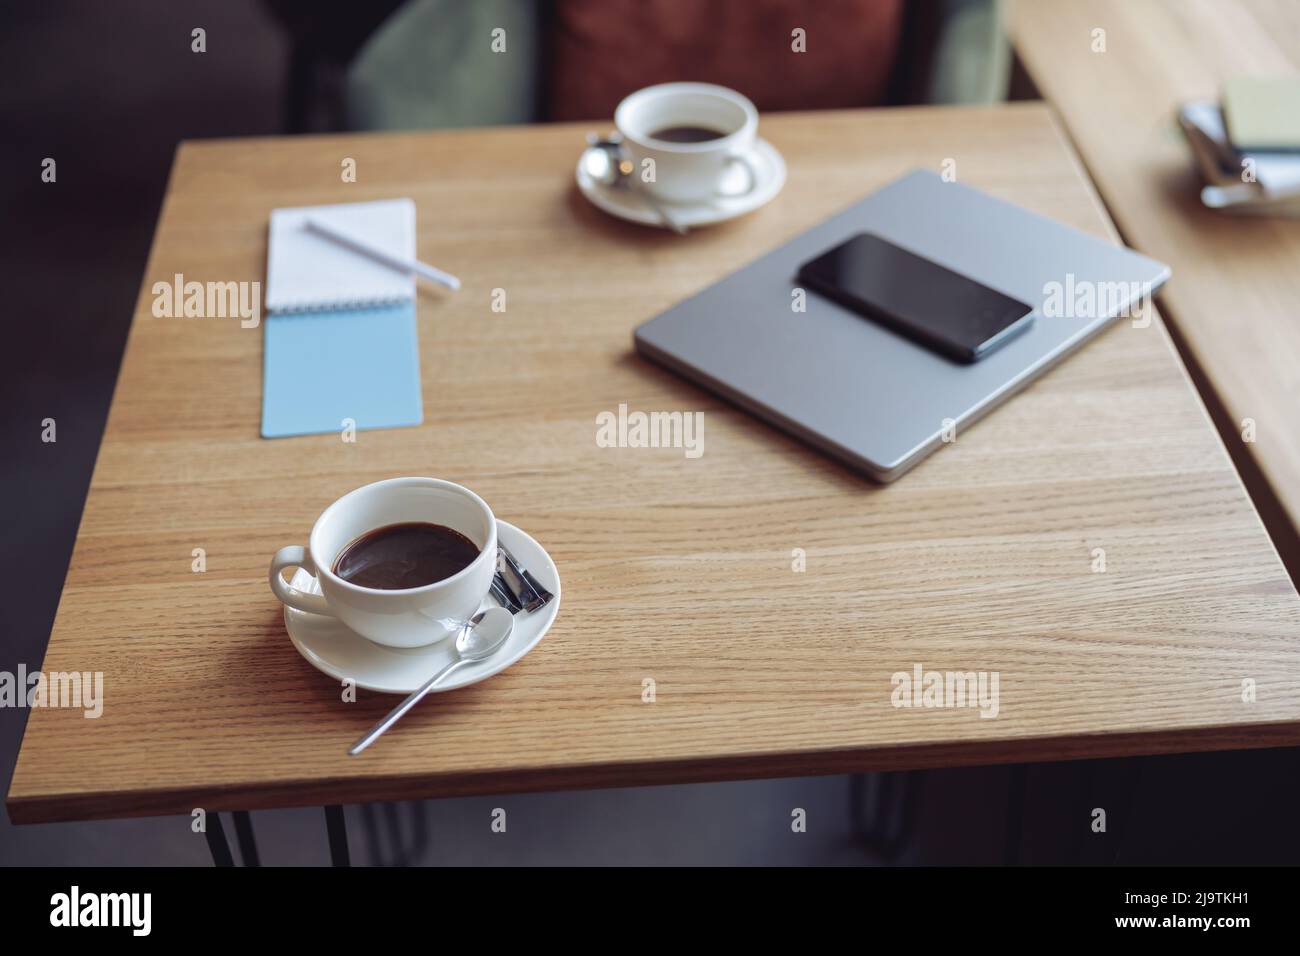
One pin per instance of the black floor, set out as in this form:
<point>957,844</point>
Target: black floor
<point>107,89</point>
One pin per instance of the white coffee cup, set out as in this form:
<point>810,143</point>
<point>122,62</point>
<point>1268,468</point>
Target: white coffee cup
<point>688,172</point>
<point>412,617</point>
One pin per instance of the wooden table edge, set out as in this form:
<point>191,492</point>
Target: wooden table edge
<point>65,807</point>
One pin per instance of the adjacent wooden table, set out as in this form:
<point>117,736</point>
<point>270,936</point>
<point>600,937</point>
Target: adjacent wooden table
<point>675,570</point>
<point>1235,299</point>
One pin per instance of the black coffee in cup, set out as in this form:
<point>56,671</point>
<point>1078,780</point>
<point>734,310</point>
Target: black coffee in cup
<point>408,555</point>
<point>687,134</point>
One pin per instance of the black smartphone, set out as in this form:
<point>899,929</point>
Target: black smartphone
<point>932,305</point>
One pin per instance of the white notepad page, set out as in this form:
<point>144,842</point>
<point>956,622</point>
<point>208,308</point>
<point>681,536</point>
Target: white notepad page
<point>308,271</point>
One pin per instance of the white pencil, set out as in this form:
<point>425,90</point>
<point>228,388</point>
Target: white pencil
<point>393,262</point>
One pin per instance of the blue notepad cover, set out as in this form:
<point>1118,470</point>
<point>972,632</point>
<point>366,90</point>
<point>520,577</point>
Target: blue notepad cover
<point>325,367</point>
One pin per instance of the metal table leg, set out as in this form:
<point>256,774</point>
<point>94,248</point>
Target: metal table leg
<point>883,809</point>
<point>388,843</point>
<point>1017,784</point>
<point>244,835</point>
<point>216,837</point>
<point>338,835</point>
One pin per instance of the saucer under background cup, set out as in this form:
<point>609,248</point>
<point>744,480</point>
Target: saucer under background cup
<point>626,204</point>
<point>333,648</point>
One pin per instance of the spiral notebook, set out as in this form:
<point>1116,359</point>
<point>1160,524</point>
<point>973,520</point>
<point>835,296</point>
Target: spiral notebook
<point>340,347</point>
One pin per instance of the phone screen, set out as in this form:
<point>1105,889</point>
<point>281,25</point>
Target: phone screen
<point>934,306</point>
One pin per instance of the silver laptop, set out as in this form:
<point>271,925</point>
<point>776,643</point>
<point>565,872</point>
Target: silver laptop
<point>863,393</point>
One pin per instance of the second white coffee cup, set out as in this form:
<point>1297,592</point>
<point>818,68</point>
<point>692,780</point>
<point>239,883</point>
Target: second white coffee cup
<point>412,617</point>
<point>683,172</point>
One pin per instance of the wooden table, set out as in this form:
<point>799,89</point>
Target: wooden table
<point>675,570</point>
<point>1234,302</point>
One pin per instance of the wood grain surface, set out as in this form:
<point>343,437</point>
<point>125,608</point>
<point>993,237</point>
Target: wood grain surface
<point>674,570</point>
<point>1235,301</point>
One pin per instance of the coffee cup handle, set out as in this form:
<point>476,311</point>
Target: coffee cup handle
<point>744,159</point>
<point>296,556</point>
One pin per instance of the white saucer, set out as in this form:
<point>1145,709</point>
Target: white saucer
<point>626,204</point>
<point>340,652</point>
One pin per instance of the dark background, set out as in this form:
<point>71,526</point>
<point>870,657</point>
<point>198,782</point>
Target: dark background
<point>108,89</point>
